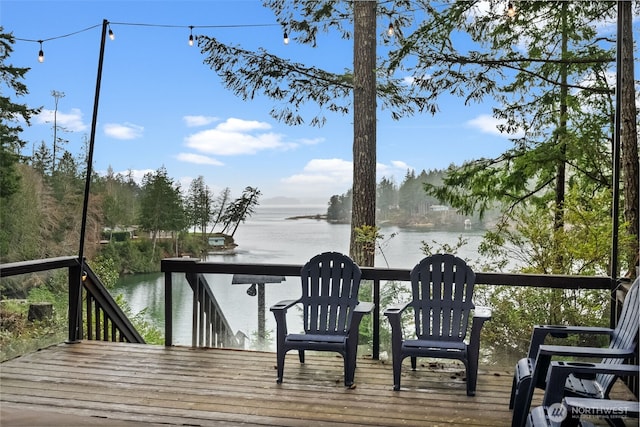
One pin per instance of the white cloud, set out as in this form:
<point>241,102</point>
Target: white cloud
<point>325,177</point>
<point>314,141</point>
<point>239,125</point>
<point>123,131</point>
<point>485,123</point>
<point>194,121</point>
<point>399,164</point>
<point>198,159</point>
<point>321,175</point>
<point>489,124</point>
<point>71,121</point>
<point>236,137</point>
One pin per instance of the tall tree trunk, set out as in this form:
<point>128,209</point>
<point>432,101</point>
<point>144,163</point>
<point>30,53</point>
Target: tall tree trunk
<point>629,137</point>
<point>561,135</point>
<point>364,128</point>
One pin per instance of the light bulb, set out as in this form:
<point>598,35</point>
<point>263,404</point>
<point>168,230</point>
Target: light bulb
<point>390,30</point>
<point>511,10</point>
<point>191,35</point>
<point>286,38</point>
<point>111,35</point>
<point>41,54</point>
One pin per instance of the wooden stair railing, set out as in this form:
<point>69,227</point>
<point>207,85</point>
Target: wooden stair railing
<point>210,326</point>
<point>104,319</point>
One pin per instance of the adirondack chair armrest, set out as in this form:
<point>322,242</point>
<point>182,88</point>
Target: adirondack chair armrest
<point>540,333</point>
<point>480,315</point>
<point>576,351</point>
<point>284,305</point>
<point>279,311</point>
<point>396,309</point>
<point>547,352</point>
<point>364,307</point>
<point>394,314</point>
<point>559,371</point>
<point>482,312</point>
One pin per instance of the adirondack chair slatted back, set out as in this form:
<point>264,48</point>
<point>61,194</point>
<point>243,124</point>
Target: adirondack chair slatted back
<point>442,287</point>
<point>330,283</point>
<point>625,334</point>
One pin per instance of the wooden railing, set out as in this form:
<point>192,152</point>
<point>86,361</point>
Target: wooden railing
<point>101,319</point>
<point>210,326</point>
<point>191,266</point>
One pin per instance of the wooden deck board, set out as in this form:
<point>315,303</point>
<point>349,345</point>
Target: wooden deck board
<point>204,387</point>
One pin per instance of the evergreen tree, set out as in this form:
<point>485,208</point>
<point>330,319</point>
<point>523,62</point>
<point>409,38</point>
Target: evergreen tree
<point>199,205</point>
<point>161,207</point>
<point>10,115</point>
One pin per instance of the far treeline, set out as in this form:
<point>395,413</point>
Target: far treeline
<point>407,204</point>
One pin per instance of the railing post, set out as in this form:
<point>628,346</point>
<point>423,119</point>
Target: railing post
<point>75,301</point>
<point>376,319</point>
<point>168,310</point>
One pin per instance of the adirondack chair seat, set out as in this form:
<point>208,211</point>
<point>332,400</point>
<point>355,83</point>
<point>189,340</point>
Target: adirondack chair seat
<point>331,312</point>
<point>442,291</point>
<point>532,371</point>
<point>321,339</point>
<point>435,346</point>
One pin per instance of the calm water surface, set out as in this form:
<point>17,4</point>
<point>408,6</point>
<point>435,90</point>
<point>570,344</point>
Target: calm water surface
<point>268,237</point>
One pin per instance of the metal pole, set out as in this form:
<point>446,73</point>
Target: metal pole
<point>85,206</point>
<point>615,209</point>
<point>92,139</point>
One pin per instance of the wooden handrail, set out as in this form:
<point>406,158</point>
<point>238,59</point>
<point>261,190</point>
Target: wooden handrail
<point>103,318</point>
<point>195,266</point>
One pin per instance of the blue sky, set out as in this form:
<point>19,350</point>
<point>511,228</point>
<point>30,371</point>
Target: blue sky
<point>160,105</point>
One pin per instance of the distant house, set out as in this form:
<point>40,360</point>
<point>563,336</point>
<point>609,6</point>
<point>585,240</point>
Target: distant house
<point>439,208</point>
<point>216,241</point>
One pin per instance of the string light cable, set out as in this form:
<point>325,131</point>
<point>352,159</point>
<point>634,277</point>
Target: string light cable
<point>111,34</point>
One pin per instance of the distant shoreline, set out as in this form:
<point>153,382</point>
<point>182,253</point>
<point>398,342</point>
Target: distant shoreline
<point>316,216</point>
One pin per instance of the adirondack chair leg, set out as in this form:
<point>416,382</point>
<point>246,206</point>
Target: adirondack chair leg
<point>301,355</point>
<point>397,370</point>
<point>349,369</point>
<point>414,362</point>
<point>280,365</point>
<point>472,376</point>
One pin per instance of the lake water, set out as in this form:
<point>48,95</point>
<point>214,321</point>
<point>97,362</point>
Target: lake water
<point>268,237</point>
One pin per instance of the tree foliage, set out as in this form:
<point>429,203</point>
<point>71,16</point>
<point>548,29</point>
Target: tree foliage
<point>161,207</point>
<point>242,208</point>
<point>11,114</point>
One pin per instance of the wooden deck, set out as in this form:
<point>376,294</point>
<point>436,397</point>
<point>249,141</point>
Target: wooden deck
<point>129,383</point>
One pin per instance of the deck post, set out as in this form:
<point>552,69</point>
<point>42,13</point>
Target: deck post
<point>75,303</point>
<point>168,311</point>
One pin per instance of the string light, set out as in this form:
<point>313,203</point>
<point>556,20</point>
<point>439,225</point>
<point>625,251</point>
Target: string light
<point>390,30</point>
<point>511,10</point>
<point>112,35</point>
<point>41,53</point>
